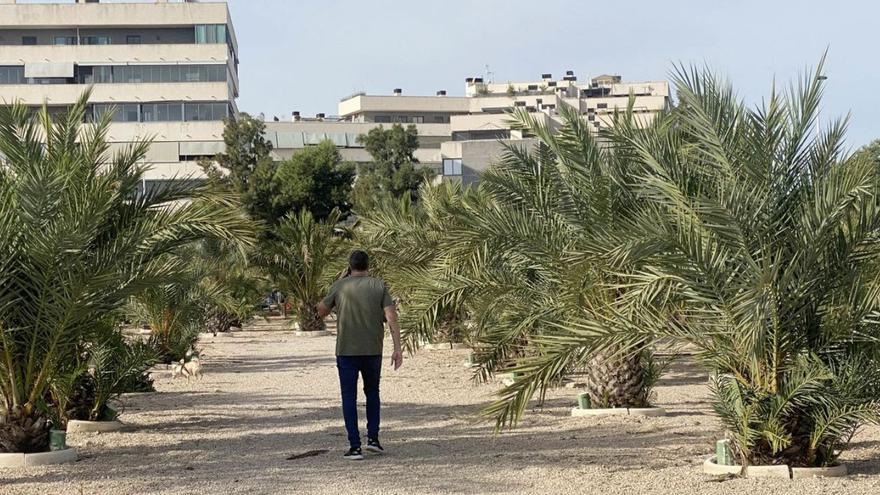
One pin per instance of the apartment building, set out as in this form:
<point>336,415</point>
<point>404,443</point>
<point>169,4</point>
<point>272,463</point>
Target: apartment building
<point>167,70</point>
<point>460,136</point>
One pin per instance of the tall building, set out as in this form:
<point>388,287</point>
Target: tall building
<point>460,136</point>
<point>169,70</point>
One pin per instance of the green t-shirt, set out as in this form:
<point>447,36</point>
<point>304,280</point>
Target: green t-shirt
<point>360,304</point>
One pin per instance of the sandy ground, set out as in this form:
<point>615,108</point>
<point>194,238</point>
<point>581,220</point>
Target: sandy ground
<point>266,396</point>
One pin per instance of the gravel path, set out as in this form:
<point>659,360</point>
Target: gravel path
<point>266,396</point>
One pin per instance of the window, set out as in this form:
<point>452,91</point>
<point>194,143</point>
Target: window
<point>194,112</point>
<point>601,105</point>
<point>439,119</point>
<point>28,40</point>
<point>418,120</point>
<point>382,119</point>
<point>162,112</point>
<point>133,39</point>
<point>12,75</point>
<point>95,40</point>
<point>64,40</point>
<point>402,119</point>
<point>210,33</point>
<point>150,73</point>
<point>452,166</point>
<point>493,134</point>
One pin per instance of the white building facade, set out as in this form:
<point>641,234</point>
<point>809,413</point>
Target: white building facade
<point>168,71</point>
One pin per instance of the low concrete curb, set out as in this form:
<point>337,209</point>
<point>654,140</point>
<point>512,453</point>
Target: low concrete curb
<point>317,333</point>
<point>780,471</point>
<point>38,459</point>
<point>837,471</point>
<point>619,411</point>
<point>775,471</point>
<point>77,426</point>
<point>445,346</point>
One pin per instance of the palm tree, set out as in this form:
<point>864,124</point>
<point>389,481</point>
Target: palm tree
<point>406,242</point>
<point>303,259</point>
<point>519,256</point>
<point>760,251</point>
<point>78,239</point>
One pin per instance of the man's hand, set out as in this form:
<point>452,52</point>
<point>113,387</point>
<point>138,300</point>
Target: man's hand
<point>397,359</point>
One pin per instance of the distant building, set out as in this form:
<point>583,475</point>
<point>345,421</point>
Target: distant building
<point>170,70</point>
<point>460,136</point>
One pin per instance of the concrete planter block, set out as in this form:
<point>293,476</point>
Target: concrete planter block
<point>837,471</point>
<point>318,333</point>
<point>77,426</point>
<point>647,411</point>
<point>12,460</point>
<point>618,411</point>
<point>709,467</point>
<point>38,459</point>
<point>780,471</point>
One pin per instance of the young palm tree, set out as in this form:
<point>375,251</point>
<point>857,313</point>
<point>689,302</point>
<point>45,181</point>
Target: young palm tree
<point>406,241</point>
<point>77,239</point>
<point>519,256</point>
<point>760,250</point>
<point>303,260</point>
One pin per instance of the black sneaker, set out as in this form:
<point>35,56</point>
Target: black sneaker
<point>354,455</point>
<point>373,445</point>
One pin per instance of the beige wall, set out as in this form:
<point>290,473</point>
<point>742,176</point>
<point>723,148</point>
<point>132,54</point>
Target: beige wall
<point>488,121</point>
<point>179,170</point>
<point>391,104</point>
<point>20,16</point>
<point>66,94</point>
<point>350,127</point>
<point>166,131</point>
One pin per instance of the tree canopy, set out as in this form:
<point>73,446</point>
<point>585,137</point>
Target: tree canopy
<point>394,171</point>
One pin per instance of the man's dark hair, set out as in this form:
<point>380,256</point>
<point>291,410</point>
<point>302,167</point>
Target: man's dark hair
<point>359,261</point>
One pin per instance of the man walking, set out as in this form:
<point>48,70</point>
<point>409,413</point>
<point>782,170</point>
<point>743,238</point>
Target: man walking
<point>362,303</point>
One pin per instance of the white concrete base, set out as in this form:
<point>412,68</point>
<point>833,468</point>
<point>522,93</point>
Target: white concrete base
<point>38,459</point>
<point>710,468</point>
<point>837,471</point>
<point>315,333</point>
<point>444,346</point>
<point>619,411</point>
<point>77,426</point>
<point>775,471</point>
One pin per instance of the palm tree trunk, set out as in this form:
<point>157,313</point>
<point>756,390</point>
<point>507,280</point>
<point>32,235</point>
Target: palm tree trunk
<point>617,380</point>
<point>23,433</point>
<point>309,319</point>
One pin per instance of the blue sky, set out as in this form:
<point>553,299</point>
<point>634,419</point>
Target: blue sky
<point>307,54</point>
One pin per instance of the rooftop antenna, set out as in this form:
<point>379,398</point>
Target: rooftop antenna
<point>490,76</point>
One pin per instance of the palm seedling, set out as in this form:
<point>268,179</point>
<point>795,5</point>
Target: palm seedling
<point>303,260</point>
<point>78,238</point>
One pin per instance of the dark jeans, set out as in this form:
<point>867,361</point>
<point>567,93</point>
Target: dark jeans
<point>370,368</point>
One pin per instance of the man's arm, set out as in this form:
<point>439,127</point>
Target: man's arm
<point>323,310</point>
<point>397,355</point>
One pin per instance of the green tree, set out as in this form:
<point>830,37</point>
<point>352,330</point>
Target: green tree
<point>77,240</point>
<point>394,171</point>
<point>315,179</point>
<point>247,168</point>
